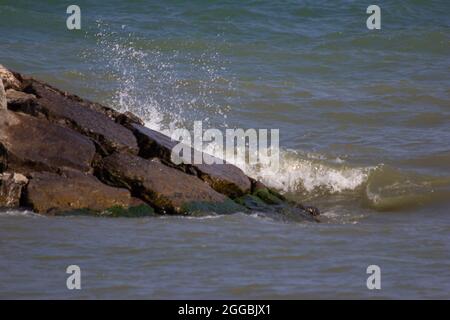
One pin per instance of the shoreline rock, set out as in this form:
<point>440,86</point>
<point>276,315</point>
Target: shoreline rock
<point>168,190</point>
<point>61,154</point>
<point>224,178</point>
<point>51,193</point>
<point>30,144</point>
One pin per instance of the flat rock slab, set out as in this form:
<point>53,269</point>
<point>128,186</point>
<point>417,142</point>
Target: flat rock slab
<point>51,193</point>
<point>224,178</point>
<point>29,144</point>
<point>169,190</point>
<point>83,116</point>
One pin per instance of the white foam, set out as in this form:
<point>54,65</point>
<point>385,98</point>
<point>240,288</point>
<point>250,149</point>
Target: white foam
<point>296,173</point>
<point>17,213</point>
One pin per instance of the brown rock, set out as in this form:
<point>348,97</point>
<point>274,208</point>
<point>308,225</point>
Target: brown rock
<point>167,189</point>
<point>9,79</point>
<point>224,178</point>
<point>11,189</point>
<point>82,116</point>
<point>52,193</point>
<point>127,118</point>
<point>15,97</point>
<point>29,144</point>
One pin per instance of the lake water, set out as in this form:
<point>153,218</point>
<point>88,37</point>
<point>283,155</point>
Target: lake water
<point>364,119</point>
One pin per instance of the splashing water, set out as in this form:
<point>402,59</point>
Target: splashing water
<point>155,85</point>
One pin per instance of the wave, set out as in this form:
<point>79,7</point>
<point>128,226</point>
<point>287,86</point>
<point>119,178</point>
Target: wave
<point>154,85</point>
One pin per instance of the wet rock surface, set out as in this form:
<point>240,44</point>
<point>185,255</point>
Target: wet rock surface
<point>165,188</point>
<point>60,154</point>
<point>224,178</point>
<point>30,144</point>
<point>81,116</point>
<point>51,193</point>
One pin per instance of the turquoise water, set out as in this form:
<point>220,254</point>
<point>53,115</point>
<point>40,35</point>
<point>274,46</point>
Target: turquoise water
<point>364,119</point>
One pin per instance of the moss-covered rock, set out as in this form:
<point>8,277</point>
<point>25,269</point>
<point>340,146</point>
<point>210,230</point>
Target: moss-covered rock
<point>252,202</point>
<point>269,196</point>
<point>142,210</point>
<point>225,207</point>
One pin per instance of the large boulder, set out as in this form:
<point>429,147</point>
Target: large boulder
<point>87,118</point>
<point>29,144</point>
<point>11,185</point>
<point>169,190</point>
<point>224,178</point>
<point>50,193</point>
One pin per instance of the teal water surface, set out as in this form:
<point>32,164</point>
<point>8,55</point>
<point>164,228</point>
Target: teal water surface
<point>364,119</point>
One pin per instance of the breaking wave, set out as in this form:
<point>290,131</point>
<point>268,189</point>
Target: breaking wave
<point>155,84</point>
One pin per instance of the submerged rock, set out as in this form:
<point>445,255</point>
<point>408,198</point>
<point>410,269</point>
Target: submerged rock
<point>11,185</point>
<point>29,144</point>
<point>224,178</point>
<point>167,189</point>
<point>51,193</point>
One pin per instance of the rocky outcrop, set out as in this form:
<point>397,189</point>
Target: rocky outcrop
<point>11,185</point>
<point>70,191</point>
<point>60,154</point>
<point>165,188</point>
<point>29,144</point>
<point>224,178</point>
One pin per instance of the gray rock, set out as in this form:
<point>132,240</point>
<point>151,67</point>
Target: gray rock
<point>3,102</point>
